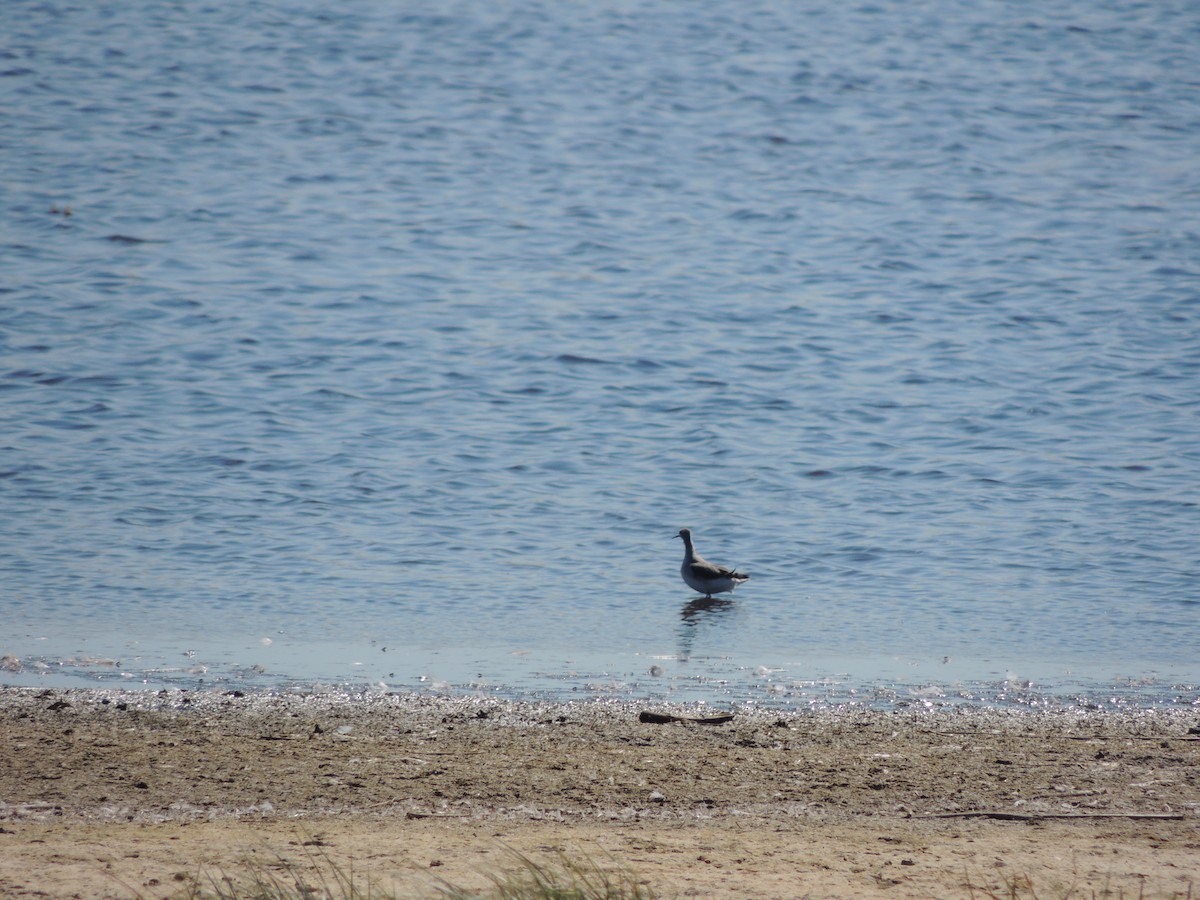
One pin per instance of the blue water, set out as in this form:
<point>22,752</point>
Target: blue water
<point>390,344</point>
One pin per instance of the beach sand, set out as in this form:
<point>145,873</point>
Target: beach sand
<point>156,794</point>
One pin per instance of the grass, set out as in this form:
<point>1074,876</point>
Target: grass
<point>563,879</point>
<point>320,878</point>
<point>557,877</point>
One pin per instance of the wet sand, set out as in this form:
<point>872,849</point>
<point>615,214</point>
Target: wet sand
<point>122,794</point>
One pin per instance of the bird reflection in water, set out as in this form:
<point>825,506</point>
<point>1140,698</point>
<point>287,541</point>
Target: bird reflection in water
<point>697,615</point>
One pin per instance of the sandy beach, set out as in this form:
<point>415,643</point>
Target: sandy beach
<point>146,794</point>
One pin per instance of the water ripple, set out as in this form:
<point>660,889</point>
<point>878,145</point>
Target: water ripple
<point>376,324</point>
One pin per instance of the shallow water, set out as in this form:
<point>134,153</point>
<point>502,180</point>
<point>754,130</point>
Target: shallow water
<point>381,329</point>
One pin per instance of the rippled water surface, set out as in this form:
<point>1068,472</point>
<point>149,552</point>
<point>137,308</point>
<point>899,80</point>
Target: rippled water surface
<point>391,343</point>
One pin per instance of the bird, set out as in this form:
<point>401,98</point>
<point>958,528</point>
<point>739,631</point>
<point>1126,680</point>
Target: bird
<point>701,575</point>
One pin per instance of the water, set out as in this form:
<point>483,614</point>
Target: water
<point>390,345</point>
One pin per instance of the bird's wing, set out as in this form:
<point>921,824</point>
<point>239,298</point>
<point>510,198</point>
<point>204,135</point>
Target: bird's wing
<point>702,568</point>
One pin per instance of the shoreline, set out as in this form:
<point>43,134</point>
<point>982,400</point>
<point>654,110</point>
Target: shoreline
<point>878,680</point>
<point>844,802</point>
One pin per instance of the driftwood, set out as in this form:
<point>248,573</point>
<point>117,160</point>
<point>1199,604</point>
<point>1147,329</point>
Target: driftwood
<point>651,718</point>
